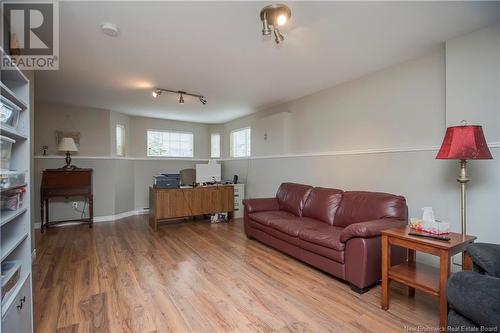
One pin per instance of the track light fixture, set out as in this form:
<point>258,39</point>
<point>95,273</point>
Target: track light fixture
<point>272,17</point>
<point>158,91</point>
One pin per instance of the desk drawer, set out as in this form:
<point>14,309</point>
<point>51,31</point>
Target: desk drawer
<point>63,192</point>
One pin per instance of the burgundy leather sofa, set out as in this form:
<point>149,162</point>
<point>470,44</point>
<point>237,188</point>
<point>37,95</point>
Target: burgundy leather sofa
<point>335,231</point>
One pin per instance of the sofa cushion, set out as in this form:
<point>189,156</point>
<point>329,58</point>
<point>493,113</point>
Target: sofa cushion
<point>292,197</point>
<point>327,236</point>
<point>322,204</point>
<point>261,205</point>
<point>265,217</point>
<point>357,206</point>
<point>293,226</point>
<point>338,256</point>
<point>275,233</point>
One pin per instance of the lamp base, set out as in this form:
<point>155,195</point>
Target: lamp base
<point>68,165</point>
<point>463,179</point>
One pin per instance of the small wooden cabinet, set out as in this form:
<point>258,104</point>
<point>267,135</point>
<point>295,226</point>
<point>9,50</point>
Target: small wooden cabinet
<point>169,204</point>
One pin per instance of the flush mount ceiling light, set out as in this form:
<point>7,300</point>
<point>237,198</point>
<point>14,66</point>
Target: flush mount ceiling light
<point>110,29</point>
<point>273,17</point>
<point>158,91</point>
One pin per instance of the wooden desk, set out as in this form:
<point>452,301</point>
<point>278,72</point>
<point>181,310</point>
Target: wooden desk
<point>65,183</point>
<point>424,277</point>
<point>169,204</point>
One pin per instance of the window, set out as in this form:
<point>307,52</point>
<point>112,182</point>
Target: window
<point>120,140</point>
<point>240,142</point>
<point>170,144</point>
<point>215,145</point>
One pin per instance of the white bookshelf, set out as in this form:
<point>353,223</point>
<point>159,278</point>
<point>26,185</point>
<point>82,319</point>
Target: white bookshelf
<point>15,226</point>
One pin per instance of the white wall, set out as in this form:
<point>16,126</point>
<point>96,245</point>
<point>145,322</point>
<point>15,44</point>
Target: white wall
<point>381,132</point>
<point>473,94</point>
<point>387,109</point>
<point>473,80</point>
<point>120,185</point>
<point>93,125</point>
<point>401,106</point>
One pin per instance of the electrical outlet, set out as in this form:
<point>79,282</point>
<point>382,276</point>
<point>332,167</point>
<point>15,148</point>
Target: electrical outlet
<point>74,205</point>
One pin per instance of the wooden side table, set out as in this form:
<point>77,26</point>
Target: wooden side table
<point>424,277</point>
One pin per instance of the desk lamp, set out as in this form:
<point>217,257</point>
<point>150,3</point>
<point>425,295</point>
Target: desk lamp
<point>67,145</point>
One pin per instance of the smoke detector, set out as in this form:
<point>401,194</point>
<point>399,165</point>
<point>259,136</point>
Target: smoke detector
<point>110,29</point>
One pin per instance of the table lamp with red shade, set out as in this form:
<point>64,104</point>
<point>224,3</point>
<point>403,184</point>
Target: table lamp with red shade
<point>465,142</point>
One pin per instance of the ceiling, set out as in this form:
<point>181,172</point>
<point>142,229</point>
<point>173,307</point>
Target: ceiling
<point>216,49</point>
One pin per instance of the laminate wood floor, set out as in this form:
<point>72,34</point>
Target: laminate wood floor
<point>196,277</point>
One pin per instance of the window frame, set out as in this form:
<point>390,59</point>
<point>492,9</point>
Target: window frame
<point>168,131</point>
<point>231,142</point>
<point>211,145</point>
<point>121,153</point>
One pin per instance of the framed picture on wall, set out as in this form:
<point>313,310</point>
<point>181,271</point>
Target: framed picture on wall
<point>65,134</point>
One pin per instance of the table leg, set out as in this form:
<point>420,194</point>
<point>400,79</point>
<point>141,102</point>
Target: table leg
<point>411,259</point>
<point>466,261</point>
<point>386,263</point>
<point>41,214</point>
<point>91,211</point>
<point>47,213</point>
<point>444,273</point>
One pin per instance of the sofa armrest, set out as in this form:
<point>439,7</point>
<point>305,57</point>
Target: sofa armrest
<point>486,258</point>
<point>260,205</point>
<point>476,297</point>
<point>369,228</point>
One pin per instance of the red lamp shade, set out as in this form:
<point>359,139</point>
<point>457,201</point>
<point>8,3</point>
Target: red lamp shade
<point>464,143</point>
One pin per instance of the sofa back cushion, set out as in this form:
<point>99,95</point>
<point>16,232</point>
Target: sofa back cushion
<point>292,197</point>
<point>357,206</point>
<point>322,204</point>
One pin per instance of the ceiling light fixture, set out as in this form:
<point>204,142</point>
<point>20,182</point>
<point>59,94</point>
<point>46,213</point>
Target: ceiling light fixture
<point>272,17</point>
<point>157,92</point>
<point>110,29</point>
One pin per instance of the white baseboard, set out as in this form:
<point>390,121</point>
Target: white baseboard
<point>119,216</point>
<point>98,219</point>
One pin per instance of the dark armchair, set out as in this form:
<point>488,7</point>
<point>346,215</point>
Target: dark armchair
<point>474,297</point>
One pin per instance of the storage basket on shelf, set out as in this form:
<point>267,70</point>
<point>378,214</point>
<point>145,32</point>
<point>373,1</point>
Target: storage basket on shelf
<point>12,200</point>
<point>5,152</point>
<point>10,179</point>
<point>9,113</point>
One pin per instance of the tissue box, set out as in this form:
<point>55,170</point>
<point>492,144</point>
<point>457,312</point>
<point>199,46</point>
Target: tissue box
<point>437,228</point>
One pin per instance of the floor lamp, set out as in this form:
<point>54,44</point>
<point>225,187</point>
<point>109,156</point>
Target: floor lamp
<point>465,142</point>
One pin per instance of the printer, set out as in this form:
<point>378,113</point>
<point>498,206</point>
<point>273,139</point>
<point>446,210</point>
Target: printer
<point>167,180</point>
